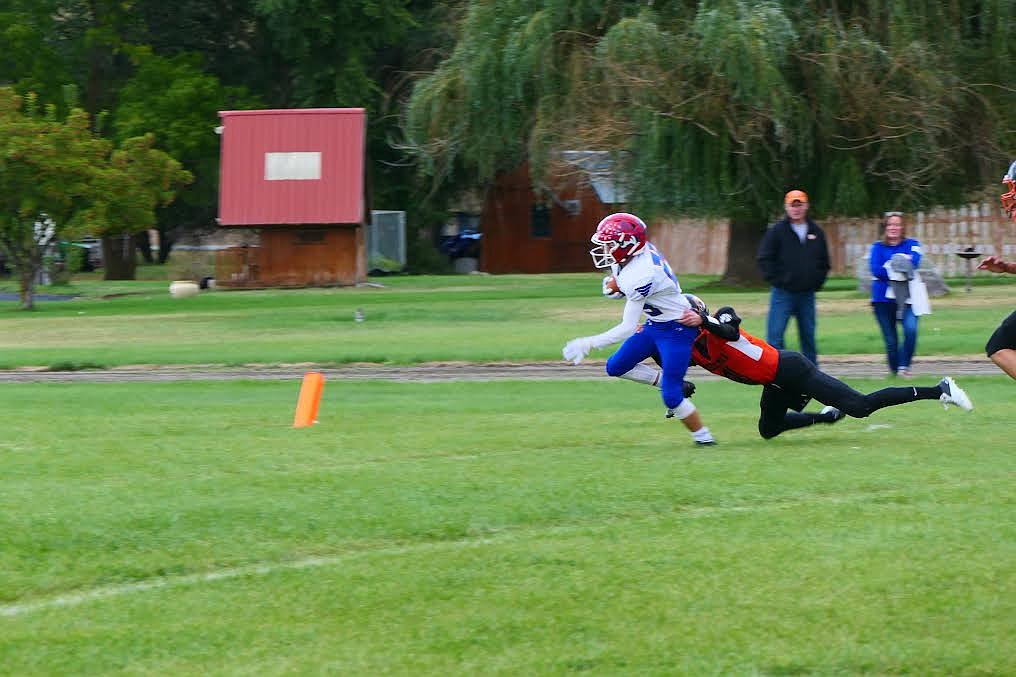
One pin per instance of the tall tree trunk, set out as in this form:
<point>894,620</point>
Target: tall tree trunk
<point>118,257</point>
<point>26,286</point>
<point>166,240</point>
<point>144,245</point>
<point>742,249</point>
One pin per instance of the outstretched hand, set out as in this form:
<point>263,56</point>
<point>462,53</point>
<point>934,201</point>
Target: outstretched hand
<point>994,264</point>
<point>575,350</point>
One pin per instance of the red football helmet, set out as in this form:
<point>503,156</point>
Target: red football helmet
<point>619,237</point>
<point>1009,198</point>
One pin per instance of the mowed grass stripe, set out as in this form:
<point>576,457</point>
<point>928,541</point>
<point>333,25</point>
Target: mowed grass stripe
<point>887,585</point>
<point>514,527</point>
<point>514,533</point>
<point>425,319</point>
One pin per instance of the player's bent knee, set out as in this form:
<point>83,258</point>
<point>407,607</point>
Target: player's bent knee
<point>683,410</point>
<point>617,367</point>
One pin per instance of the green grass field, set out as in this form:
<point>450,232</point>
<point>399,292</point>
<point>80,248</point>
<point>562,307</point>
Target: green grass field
<point>498,527</point>
<point>410,320</point>
<point>504,527</point>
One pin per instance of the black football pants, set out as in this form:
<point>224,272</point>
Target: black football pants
<point>796,375</point>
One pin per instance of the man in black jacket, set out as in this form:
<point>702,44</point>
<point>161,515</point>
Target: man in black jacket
<point>794,259</point>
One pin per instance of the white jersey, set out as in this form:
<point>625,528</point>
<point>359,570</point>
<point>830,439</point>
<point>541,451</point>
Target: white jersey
<point>649,279</point>
<point>650,287</point>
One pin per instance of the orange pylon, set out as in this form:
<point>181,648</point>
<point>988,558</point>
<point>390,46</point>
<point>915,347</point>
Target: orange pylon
<point>310,398</point>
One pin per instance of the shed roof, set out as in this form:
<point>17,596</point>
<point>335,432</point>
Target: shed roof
<point>600,169</point>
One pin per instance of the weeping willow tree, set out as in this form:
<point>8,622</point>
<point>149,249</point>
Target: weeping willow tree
<point>718,107</point>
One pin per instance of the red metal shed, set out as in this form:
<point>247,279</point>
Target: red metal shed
<point>298,177</point>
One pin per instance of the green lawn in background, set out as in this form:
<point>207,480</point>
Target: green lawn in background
<point>421,319</point>
<point>507,527</point>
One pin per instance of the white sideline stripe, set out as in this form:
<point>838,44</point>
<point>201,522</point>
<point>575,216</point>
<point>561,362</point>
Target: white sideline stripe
<point>103,592</point>
<point>164,582</point>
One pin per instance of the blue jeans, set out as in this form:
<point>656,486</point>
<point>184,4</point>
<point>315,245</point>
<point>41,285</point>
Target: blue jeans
<point>671,343</point>
<point>801,305</point>
<point>899,356</point>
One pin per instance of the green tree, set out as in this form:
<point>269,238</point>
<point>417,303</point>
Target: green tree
<point>134,181</point>
<point>177,101</point>
<point>330,46</point>
<point>34,58</point>
<point>138,68</point>
<point>45,180</point>
<point>718,107</point>
<point>57,180</point>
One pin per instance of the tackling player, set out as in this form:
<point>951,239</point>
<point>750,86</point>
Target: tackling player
<point>1001,347</point>
<point>650,287</point>
<point>789,380</point>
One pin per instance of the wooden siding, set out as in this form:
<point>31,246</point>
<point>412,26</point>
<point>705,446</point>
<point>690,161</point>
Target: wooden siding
<point>296,257</point>
<point>508,245</point>
<point>696,246</point>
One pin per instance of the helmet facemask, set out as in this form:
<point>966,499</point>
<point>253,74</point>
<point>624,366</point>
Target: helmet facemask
<point>601,253</point>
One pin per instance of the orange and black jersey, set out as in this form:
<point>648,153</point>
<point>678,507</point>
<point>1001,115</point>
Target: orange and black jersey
<point>724,349</point>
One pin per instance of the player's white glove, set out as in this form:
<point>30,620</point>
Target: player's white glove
<point>576,349</point>
<point>610,290</point>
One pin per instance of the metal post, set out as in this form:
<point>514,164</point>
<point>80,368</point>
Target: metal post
<point>969,253</point>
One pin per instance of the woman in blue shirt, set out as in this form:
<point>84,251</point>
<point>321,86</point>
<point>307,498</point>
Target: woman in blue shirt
<point>894,241</point>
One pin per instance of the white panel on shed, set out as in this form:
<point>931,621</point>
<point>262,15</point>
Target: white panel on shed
<point>292,166</point>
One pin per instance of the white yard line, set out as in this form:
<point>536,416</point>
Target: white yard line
<point>122,589</point>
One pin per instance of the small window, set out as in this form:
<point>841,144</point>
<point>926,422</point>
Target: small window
<point>539,221</point>
<point>310,237</point>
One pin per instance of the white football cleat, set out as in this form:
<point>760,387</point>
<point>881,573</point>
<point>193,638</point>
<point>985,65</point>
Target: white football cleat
<point>834,414</point>
<point>953,394</point>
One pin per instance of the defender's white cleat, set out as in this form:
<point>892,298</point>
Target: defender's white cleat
<point>833,414</point>
<point>953,394</point>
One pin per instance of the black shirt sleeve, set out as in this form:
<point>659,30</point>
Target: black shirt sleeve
<point>768,256</point>
<point>726,324</point>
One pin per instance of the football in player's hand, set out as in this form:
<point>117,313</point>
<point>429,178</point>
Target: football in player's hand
<point>610,287</point>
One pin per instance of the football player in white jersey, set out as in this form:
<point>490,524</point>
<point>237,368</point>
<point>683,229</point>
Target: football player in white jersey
<point>650,288</point>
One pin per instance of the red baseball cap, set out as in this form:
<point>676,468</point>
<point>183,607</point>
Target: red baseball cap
<point>795,196</point>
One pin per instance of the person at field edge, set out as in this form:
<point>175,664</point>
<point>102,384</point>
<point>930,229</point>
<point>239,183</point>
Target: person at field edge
<point>895,256</point>
<point>789,380</point>
<point>649,286</point>
<point>1001,347</point>
<point>794,260</point>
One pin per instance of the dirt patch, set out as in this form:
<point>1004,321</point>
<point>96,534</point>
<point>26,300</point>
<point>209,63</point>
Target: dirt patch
<point>926,371</point>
